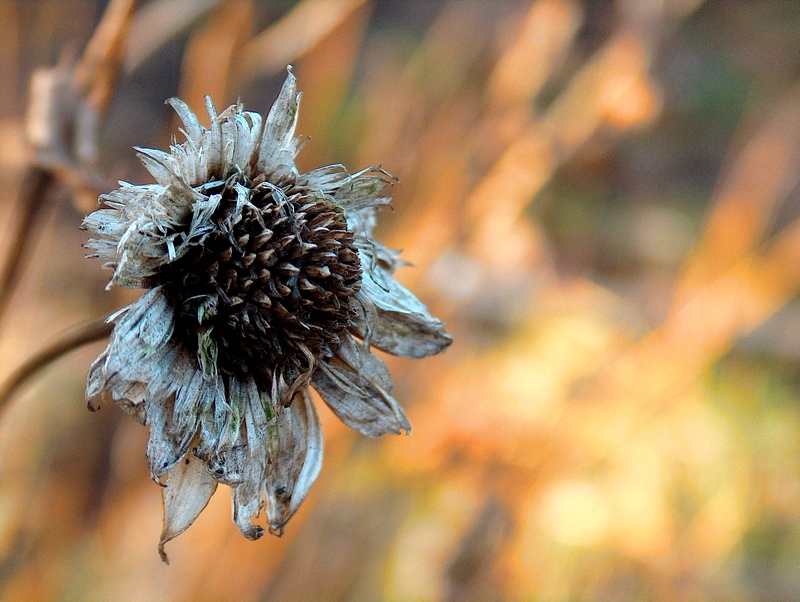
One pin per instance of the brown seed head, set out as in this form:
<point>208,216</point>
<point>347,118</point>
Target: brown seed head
<point>269,288</point>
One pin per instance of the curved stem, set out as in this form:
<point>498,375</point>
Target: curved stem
<point>71,340</point>
<point>37,182</point>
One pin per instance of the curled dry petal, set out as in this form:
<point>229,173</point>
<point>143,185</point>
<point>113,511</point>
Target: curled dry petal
<point>358,399</point>
<point>185,495</point>
<point>248,496</point>
<point>278,146</point>
<point>296,450</point>
<point>353,192</point>
<point>395,321</point>
<point>191,126</point>
<point>140,339</point>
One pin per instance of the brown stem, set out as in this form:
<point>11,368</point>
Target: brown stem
<point>71,340</point>
<point>37,182</point>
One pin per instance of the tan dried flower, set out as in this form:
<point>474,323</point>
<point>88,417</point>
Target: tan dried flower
<point>262,281</point>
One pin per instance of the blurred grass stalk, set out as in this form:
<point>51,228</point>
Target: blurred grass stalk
<point>563,456</point>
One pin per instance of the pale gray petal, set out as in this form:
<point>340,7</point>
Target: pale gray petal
<point>256,123</point>
<point>248,496</point>
<point>325,179</point>
<point>142,237</point>
<point>105,222</point>
<point>104,249</point>
<point>361,360</point>
<point>241,132</point>
<point>158,163</point>
<point>167,444</point>
<point>362,223</point>
<point>296,458</point>
<point>278,145</point>
<point>307,415</point>
<point>188,161</point>
<point>141,330</point>
<point>186,493</point>
<point>140,340</point>
<point>229,466</point>
<point>394,320</point>
<point>360,403</point>
<point>245,394</point>
<point>363,189</point>
<point>222,444</point>
<point>246,505</point>
<point>211,147</point>
<point>192,395</point>
<point>130,395</point>
<point>110,224</point>
<point>354,192</point>
<point>192,128</point>
<point>167,370</point>
<point>96,382</point>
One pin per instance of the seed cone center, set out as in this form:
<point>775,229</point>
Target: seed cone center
<point>268,289</point>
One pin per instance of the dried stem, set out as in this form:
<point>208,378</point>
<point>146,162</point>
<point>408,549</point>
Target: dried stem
<point>37,182</point>
<point>71,340</point>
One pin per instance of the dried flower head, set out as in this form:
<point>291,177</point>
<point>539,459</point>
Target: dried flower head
<point>262,282</point>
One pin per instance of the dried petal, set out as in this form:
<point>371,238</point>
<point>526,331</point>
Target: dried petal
<point>248,496</point>
<point>140,340</point>
<point>296,456</point>
<point>192,127</point>
<point>186,493</point>
<point>398,322</point>
<point>360,403</point>
<point>278,147</point>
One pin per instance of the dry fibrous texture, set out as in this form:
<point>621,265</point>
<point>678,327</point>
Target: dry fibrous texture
<point>262,281</point>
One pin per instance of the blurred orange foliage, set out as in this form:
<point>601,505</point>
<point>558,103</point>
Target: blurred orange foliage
<point>591,434</point>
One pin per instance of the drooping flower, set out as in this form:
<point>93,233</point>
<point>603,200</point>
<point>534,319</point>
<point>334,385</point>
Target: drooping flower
<point>262,282</point>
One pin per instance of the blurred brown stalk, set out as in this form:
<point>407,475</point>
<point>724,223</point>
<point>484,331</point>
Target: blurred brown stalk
<point>599,430</point>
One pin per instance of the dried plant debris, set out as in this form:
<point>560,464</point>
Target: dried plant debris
<point>262,282</point>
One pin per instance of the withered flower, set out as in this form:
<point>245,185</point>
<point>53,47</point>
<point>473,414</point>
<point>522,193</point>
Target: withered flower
<point>262,282</point>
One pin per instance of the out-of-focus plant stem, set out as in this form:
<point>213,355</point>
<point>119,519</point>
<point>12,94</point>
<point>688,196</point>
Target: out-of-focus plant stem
<point>72,339</point>
<point>35,186</point>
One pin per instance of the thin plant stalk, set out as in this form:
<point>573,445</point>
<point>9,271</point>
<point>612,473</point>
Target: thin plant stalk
<point>72,339</point>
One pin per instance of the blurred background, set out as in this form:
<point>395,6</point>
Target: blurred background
<point>599,197</point>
